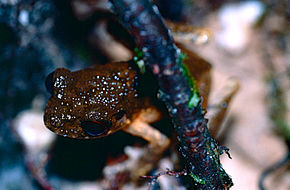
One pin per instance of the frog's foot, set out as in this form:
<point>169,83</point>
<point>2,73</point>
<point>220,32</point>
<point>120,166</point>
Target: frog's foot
<point>125,167</point>
<point>186,33</point>
<point>222,100</point>
<point>158,143</point>
<point>141,160</point>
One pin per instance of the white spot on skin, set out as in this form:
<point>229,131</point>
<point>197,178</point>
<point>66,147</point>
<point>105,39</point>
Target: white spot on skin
<point>60,82</point>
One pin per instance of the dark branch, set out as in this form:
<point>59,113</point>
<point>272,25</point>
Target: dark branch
<point>152,37</point>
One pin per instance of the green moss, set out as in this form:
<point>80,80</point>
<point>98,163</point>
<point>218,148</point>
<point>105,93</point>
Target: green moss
<point>197,179</point>
<point>138,53</point>
<point>195,97</point>
<point>138,58</point>
<point>194,101</point>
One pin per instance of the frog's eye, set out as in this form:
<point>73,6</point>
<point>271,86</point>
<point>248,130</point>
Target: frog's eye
<point>49,83</point>
<point>95,128</point>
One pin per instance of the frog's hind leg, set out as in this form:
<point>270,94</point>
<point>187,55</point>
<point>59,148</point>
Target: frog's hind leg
<point>158,143</point>
<point>222,101</point>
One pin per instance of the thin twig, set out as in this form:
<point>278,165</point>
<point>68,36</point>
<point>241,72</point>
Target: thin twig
<point>167,172</point>
<point>273,168</point>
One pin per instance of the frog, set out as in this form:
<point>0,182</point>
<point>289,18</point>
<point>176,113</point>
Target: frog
<point>95,102</point>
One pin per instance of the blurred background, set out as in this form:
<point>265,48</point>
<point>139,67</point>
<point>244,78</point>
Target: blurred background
<point>250,41</point>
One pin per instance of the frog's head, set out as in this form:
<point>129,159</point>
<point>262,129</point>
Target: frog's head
<point>91,103</point>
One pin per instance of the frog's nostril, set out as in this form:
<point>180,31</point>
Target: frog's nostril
<point>95,128</point>
<point>49,83</point>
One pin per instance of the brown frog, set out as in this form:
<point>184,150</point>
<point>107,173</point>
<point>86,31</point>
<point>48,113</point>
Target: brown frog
<point>96,102</point>
<point>92,103</point>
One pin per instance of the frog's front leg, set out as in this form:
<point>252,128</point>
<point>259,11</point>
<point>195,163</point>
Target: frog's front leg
<point>141,161</point>
<point>158,143</point>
